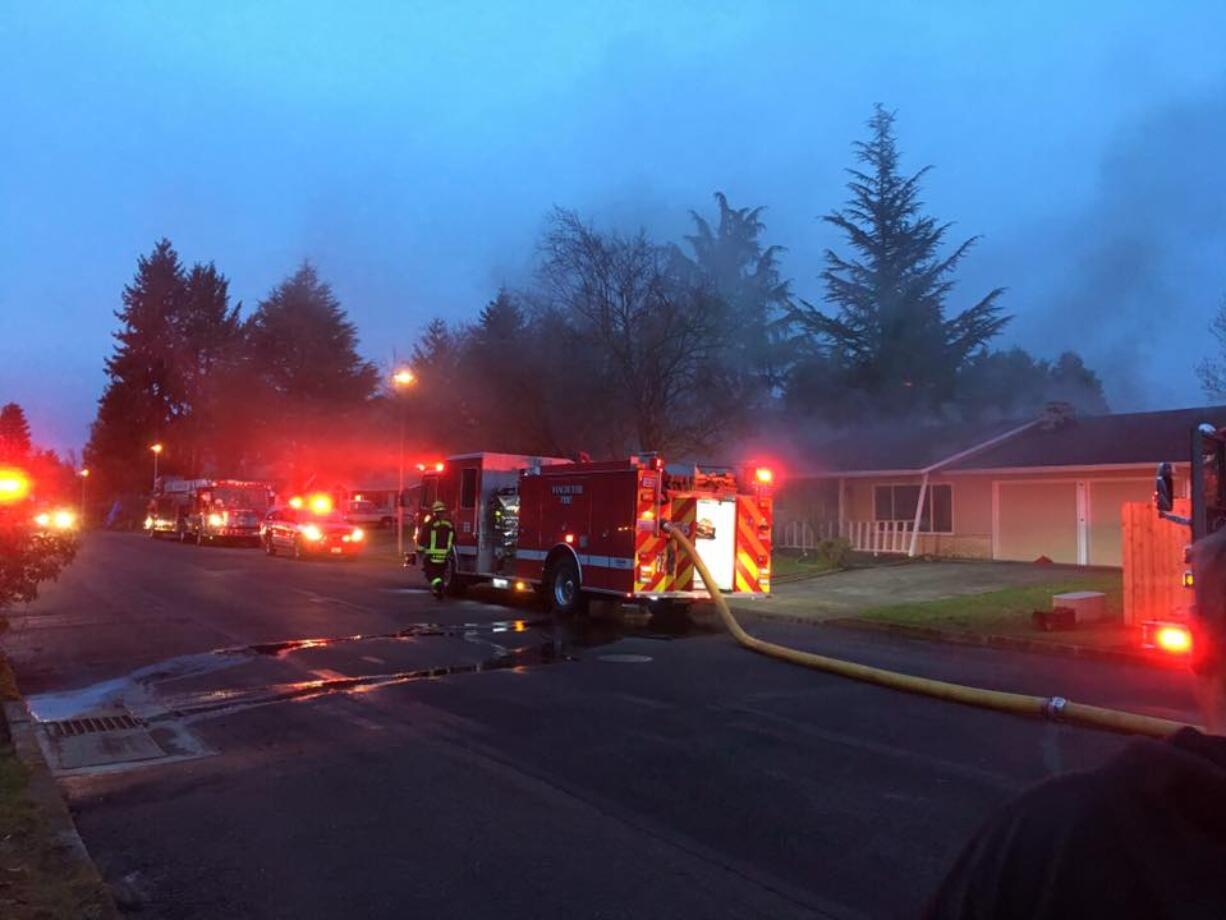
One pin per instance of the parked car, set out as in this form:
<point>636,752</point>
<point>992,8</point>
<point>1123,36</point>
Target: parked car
<point>368,514</point>
<point>300,532</point>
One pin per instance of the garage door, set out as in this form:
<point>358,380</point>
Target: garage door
<point>1037,519</point>
<point>1105,500</point>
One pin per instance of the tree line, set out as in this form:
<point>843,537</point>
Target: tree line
<point>619,343</point>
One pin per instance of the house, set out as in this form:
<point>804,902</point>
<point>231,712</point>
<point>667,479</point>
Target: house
<point>1049,487</point>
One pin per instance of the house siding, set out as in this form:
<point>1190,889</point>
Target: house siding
<point>1048,528</point>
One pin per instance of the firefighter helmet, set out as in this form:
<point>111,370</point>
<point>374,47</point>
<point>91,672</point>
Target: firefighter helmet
<point>438,508</point>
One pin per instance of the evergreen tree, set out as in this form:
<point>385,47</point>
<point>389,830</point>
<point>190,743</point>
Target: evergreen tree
<point>145,393</point>
<point>210,346</point>
<point>744,275</point>
<point>890,339</point>
<point>304,348</point>
<point>304,376</point>
<point>14,433</point>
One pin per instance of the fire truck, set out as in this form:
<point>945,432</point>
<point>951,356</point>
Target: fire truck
<point>209,510</point>
<point>1207,476</point>
<point>574,530</point>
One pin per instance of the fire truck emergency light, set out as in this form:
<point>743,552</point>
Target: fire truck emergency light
<point>296,502</point>
<point>14,486</point>
<point>764,475</point>
<point>321,503</point>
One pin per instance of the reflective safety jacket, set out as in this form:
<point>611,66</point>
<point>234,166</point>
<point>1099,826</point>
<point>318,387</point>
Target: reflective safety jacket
<point>436,540</point>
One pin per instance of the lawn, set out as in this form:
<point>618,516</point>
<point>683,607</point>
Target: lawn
<point>790,564</point>
<point>1006,611</point>
<point>36,880</point>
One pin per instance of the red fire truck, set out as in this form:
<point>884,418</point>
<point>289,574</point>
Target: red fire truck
<point>573,530</point>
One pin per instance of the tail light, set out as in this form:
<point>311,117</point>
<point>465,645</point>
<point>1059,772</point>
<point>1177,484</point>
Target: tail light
<point>1172,638</point>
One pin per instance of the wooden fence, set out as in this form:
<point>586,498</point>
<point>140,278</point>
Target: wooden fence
<point>1153,561</point>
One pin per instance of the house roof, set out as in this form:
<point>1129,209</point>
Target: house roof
<point>1099,440</point>
<point>1095,440</point>
<point>901,446</point>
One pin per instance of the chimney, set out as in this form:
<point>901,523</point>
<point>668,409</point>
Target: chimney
<point>1056,415</point>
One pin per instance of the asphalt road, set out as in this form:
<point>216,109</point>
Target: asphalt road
<point>368,752</point>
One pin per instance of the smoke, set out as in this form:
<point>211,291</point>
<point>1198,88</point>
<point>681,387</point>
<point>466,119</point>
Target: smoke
<point>1133,277</point>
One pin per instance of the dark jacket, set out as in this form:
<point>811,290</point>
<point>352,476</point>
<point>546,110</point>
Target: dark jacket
<point>436,539</point>
<point>1142,836</point>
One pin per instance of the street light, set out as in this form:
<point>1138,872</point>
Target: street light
<point>157,449</point>
<point>84,474</point>
<point>402,379</point>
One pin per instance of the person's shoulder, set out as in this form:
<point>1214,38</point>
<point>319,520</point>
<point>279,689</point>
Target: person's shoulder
<point>1025,854</point>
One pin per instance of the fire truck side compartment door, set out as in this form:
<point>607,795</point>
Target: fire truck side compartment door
<point>715,539</point>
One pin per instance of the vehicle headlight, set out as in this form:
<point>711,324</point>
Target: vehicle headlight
<point>312,533</point>
<point>42,519</point>
<point>215,519</point>
<point>64,519</point>
<point>358,534</point>
<point>148,523</point>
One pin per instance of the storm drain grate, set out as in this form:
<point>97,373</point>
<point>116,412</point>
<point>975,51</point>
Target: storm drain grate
<point>89,725</point>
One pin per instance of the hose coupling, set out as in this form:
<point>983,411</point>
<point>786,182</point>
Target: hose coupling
<point>1053,708</point>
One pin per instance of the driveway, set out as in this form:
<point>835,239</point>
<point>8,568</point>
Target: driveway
<point>847,593</point>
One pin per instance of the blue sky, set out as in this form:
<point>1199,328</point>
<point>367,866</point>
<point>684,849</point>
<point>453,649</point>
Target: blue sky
<point>412,151</point>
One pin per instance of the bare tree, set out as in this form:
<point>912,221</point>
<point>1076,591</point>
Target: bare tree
<point>1212,371</point>
<point>650,338</point>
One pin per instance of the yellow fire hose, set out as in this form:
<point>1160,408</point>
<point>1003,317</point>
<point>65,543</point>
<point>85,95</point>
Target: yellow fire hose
<point>1053,707</point>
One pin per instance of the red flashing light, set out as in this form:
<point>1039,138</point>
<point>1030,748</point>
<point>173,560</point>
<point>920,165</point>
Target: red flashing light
<point>321,503</point>
<point>438,467</point>
<point>296,502</point>
<point>569,538</point>
<point>764,475</point>
<point>1174,639</point>
<point>421,467</point>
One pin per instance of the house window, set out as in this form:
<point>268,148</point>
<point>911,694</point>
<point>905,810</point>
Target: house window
<point>897,503</point>
<point>468,488</point>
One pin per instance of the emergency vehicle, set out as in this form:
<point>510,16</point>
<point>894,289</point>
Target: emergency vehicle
<point>208,510</point>
<point>1208,514</point>
<point>575,530</point>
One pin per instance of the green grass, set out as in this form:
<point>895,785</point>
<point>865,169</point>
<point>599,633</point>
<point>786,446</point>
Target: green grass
<point>789,563</point>
<point>1005,611</point>
<point>35,879</point>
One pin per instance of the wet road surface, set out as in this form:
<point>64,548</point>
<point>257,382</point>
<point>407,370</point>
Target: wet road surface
<point>343,745</point>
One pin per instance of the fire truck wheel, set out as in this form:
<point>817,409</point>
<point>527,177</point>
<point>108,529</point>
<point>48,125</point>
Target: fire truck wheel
<point>564,594</point>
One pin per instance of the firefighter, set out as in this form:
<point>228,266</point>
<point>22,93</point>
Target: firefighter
<point>434,543</point>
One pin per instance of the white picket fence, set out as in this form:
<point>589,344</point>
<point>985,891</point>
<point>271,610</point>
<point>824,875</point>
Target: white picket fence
<point>865,536</point>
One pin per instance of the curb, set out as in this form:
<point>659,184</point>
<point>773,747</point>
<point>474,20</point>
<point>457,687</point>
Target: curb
<point>1008,643</point>
<point>46,796</point>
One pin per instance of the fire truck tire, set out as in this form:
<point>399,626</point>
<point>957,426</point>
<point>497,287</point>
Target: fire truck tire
<point>564,592</point>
